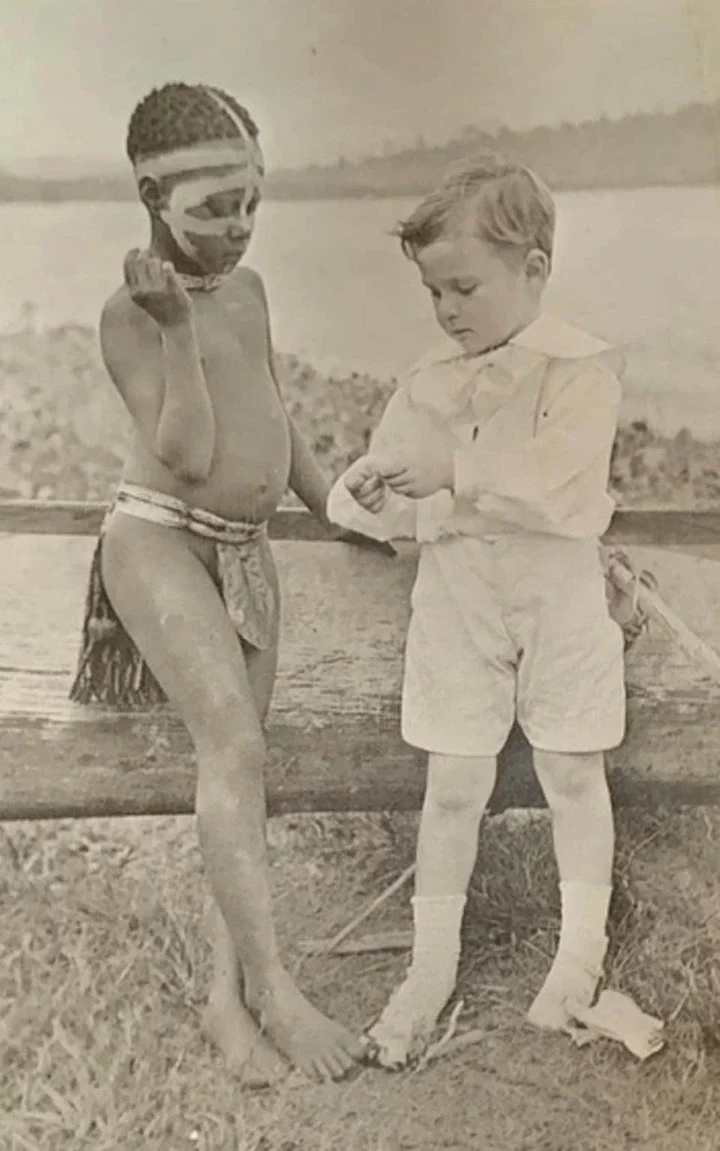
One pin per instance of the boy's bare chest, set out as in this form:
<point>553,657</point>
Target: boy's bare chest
<point>234,353</point>
<point>231,340</point>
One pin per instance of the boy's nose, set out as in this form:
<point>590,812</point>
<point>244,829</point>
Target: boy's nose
<point>448,310</point>
<point>238,230</point>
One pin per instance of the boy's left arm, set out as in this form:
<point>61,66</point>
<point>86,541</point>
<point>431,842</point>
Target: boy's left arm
<point>307,480</point>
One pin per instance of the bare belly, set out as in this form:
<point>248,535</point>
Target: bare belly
<point>250,468</point>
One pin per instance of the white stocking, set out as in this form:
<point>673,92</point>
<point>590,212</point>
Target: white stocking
<point>407,1022</point>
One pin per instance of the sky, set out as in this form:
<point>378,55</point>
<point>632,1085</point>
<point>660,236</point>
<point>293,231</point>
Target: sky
<point>330,77</point>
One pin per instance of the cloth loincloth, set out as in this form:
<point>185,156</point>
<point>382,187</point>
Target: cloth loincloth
<point>111,668</point>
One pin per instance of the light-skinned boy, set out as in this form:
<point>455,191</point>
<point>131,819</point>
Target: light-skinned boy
<point>496,458</point>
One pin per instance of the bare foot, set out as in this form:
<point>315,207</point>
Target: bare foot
<point>406,1025</point>
<point>310,1040</point>
<point>246,1052</point>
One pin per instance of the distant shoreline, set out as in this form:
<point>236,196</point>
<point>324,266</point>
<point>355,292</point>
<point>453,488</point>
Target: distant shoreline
<point>53,195</point>
<point>645,150</point>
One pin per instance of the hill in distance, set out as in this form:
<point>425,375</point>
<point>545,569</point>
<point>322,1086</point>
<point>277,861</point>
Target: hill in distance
<point>681,147</point>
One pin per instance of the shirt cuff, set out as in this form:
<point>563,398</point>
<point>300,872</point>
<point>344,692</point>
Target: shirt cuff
<point>396,520</point>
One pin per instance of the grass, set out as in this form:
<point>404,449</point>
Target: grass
<point>103,970</point>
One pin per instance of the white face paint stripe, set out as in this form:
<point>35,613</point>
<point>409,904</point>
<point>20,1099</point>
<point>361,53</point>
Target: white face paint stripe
<point>222,153</point>
<point>181,225</point>
<point>230,111</point>
<point>250,141</point>
<point>192,193</point>
<point>194,160</point>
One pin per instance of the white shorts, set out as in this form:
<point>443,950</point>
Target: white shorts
<point>512,628</point>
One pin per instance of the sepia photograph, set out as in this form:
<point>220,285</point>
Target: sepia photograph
<point>360,575</point>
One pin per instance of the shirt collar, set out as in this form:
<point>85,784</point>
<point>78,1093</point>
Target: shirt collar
<point>557,340</point>
<point>547,336</point>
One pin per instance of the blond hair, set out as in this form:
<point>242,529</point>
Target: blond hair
<point>498,199</point>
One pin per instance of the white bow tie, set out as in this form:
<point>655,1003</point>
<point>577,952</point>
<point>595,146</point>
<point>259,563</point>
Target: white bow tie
<point>449,388</point>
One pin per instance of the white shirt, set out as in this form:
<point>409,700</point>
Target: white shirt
<point>531,426</point>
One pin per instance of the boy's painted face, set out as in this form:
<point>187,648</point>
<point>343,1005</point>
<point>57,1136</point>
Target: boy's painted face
<point>481,297</point>
<point>209,194</point>
<point>211,217</point>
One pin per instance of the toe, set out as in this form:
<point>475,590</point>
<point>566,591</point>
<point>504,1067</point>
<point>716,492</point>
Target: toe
<point>341,1067</point>
<point>330,1068</point>
<point>370,1050</point>
<point>251,1076</point>
<point>342,1061</point>
<point>354,1048</point>
<point>350,1060</point>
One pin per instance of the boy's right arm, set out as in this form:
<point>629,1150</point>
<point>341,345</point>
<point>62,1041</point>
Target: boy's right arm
<point>361,501</point>
<point>157,368</point>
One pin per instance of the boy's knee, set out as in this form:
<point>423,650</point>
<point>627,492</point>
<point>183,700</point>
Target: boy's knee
<point>227,724</point>
<point>230,780</point>
<point>450,802</point>
<point>461,788</point>
<point>568,777</point>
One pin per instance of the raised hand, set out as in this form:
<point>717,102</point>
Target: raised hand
<point>154,286</point>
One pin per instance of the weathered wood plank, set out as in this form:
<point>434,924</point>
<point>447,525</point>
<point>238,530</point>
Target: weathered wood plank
<point>104,765</point>
<point>333,732</point>
<point>658,527</point>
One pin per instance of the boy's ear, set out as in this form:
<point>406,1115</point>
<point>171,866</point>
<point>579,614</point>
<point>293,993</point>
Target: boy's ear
<point>151,194</point>
<point>537,265</point>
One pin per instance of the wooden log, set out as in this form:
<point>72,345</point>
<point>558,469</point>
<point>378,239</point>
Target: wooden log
<point>334,742</point>
<point>652,527</point>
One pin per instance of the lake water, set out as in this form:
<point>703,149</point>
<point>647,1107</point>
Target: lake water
<point>641,268</point>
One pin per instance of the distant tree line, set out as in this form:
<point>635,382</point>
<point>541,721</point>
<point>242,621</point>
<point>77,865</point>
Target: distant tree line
<point>681,147</point>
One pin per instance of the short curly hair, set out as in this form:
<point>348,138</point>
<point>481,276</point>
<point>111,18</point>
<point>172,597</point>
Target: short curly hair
<point>180,115</point>
<point>502,201</point>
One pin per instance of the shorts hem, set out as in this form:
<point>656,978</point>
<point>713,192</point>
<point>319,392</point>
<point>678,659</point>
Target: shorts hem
<point>573,746</point>
<point>434,746</point>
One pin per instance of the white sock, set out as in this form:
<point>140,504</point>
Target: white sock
<point>414,1007</point>
<point>584,917</point>
<point>436,942</point>
<point>577,968</point>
